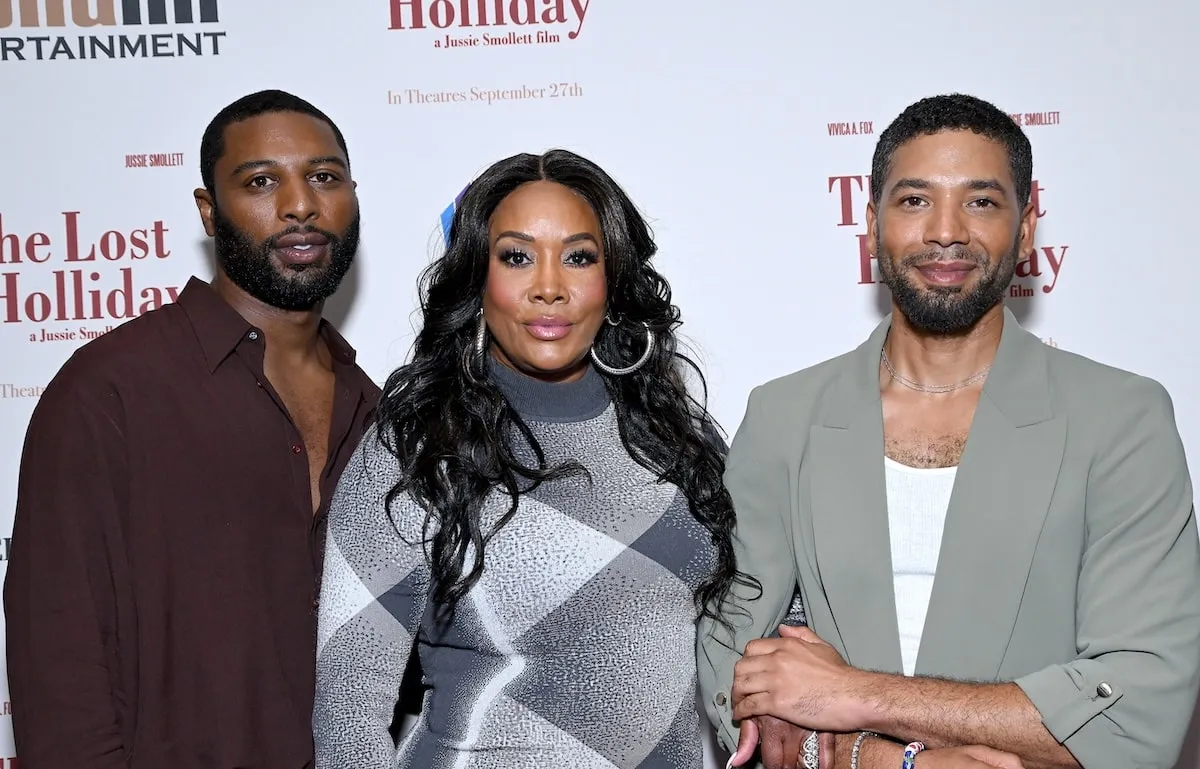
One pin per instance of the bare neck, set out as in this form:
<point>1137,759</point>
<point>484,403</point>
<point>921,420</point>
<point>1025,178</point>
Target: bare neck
<point>293,338</point>
<point>943,360</point>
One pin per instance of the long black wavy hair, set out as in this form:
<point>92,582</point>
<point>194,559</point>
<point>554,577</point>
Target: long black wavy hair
<point>454,433</point>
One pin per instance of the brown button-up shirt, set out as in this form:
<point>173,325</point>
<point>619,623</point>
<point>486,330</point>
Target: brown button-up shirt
<point>165,559</point>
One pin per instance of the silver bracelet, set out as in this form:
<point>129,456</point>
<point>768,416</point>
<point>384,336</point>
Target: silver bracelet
<point>858,747</point>
<point>812,752</point>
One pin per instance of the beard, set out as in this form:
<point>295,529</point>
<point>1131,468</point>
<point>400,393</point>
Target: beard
<point>947,310</point>
<point>286,287</point>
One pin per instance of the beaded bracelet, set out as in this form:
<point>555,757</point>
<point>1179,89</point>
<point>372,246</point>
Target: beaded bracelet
<point>910,755</point>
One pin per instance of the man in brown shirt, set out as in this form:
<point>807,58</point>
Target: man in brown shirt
<point>175,480</point>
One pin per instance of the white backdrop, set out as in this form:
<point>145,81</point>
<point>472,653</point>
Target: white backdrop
<point>744,130</point>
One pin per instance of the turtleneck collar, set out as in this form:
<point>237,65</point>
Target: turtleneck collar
<point>539,401</point>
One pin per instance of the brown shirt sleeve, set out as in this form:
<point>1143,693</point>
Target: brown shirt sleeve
<point>59,591</point>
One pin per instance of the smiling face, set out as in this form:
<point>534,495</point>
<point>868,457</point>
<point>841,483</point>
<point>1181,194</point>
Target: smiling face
<point>547,288</point>
<point>949,230</point>
<point>283,213</point>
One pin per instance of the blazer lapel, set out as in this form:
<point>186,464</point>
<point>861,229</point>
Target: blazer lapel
<point>1001,496</point>
<point>848,506</point>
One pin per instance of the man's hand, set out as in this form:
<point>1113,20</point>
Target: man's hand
<point>798,678</point>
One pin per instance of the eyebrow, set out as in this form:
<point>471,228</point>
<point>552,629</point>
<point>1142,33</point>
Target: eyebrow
<point>252,164</point>
<point>576,238</point>
<point>974,184</point>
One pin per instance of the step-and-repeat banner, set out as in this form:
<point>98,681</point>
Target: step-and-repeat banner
<point>744,131</point>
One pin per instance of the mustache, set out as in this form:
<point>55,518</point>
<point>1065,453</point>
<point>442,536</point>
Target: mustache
<point>274,239</point>
<point>956,253</point>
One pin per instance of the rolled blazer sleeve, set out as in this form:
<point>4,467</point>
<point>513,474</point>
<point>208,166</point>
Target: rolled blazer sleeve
<point>756,478</point>
<point>1127,699</point>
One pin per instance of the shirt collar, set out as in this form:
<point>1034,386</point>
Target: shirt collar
<point>220,328</point>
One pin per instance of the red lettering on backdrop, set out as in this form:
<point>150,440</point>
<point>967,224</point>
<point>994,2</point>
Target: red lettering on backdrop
<point>1035,198</point>
<point>1048,257</point>
<point>114,245</point>
<point>81,293</point>
<point>846,195</point>
<point>852,195</point>
<point>421,14</point>
<point>1042,259</point>
<point>13,250</point>
<point>530,16</point>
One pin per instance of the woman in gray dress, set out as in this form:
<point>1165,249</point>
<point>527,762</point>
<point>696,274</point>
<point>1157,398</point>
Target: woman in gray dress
<point>540,513</point>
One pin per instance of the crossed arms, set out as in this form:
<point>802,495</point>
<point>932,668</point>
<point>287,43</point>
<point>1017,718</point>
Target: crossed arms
<point>1124,700</point>
<point>838,698</point>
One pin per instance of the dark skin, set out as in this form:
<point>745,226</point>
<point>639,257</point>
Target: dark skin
<point>546,288</point>
<point>952,189</point>
<point>947,191</point>
<point>279,171</point>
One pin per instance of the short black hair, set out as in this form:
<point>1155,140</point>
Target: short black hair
<point>212,144</point>
<point>955,112</point>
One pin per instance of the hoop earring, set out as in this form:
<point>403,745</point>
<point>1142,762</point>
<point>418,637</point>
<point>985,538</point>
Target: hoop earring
<point>481,336</point>
<point>472,359</point>
<point>651,343</point>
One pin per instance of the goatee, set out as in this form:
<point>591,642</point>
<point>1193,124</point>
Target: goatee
<point>948,310</point>
<point>250,267</point>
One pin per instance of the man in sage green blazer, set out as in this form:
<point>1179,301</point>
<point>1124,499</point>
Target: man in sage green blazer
<point>994,540</point>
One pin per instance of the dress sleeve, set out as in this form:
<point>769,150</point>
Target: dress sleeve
<point>373,595</point>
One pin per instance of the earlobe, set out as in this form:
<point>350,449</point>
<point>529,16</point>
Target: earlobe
<point>1028,228</point>
<point>204,204</point>
<point>872,223</point>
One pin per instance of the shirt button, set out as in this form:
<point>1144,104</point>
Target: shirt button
<point>720,699</point>
<point>1104,690</point>
<point>252,336</point>
<point>296,449</point>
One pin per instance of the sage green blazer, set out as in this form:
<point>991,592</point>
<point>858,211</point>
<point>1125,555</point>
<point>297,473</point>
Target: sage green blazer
<point>1070,560</point>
